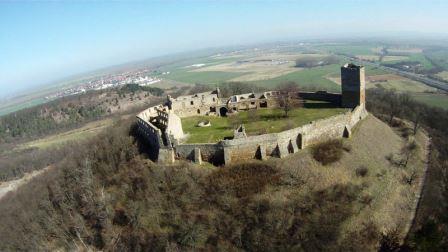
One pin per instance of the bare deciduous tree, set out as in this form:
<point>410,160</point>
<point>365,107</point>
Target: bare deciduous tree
<point>407,151</point>
<point>288,92</point>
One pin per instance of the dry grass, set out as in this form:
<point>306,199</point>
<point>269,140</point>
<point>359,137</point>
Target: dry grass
<point>368,57</point>
<point>374,57</point>
<point>84,132</point>
<point>279,205</point>
<point>394,58</point>
<point>328,152</point>
<point>385,200</point>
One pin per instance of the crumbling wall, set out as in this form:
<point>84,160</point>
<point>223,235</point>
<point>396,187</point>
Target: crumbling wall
<point>151,135</point>
<point>210,152</point>
<point>284,143</point>
<point>191,105</point>
<point>245,148</point>
<point>275,144</point>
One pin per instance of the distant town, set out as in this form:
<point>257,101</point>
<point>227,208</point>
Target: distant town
<point>142,77</point>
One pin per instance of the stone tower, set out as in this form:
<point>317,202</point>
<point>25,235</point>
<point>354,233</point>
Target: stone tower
<point>353,85</point>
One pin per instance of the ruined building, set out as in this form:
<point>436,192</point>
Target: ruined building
<point>161,126</point>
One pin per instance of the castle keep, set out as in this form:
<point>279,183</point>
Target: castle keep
<point>161,126</point>
<point>353,85</point>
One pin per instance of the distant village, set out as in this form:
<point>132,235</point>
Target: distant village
<point>141,77</point>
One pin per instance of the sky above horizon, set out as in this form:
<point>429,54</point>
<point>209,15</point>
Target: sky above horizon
<point>41,42</point>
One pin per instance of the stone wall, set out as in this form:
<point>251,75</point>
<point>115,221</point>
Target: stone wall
<point>191,105</point>
<point>161,126</point>
<point>275,144</point>
<point>151,135</point>
<point>210,152</point>
<point>334,98</point>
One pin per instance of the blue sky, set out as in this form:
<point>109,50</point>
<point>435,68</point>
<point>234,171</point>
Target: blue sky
<point>41,42</point>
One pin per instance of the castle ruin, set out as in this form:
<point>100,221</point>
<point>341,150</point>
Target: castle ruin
<point>161,126</point>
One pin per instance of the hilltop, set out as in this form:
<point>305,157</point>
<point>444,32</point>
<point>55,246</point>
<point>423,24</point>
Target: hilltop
<point>108,196</point>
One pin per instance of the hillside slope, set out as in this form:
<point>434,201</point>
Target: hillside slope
<point>387,198</point>
<point>107,196</point>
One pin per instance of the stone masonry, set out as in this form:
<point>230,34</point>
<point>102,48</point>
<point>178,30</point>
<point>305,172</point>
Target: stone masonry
<point>161,127</point>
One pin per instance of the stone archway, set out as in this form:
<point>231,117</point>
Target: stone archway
<point>347,132</point>
<point>291,147</point>
<point>223,111</point>
<point>300,141</point>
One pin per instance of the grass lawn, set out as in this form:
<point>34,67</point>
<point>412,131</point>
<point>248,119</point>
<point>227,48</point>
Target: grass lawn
<point>264,121</point>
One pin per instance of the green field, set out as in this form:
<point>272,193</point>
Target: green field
<point>422,59</point>
<point>435,100</point>
<point>207,78</point>
<point>347,49</point>
<point>371,70</point>
<point>183,64</point>
<point>180,71</point>
<point>312,79</point>
<point>439,56</point>
<point>266,121</point>
<point>18,106</point>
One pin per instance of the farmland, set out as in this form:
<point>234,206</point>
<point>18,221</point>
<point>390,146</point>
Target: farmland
<point>435,100</point>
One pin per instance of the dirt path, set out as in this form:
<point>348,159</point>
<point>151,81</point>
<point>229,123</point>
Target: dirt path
<point>12,185</point>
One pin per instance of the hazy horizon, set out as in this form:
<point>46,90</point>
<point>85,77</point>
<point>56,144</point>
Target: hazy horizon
<point>48,41</point>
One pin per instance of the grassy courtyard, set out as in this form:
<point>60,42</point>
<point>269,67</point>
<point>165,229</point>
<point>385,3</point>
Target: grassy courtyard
<point>256,122</point>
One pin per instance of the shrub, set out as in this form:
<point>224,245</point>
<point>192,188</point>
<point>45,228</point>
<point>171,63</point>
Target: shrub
<point>390,241</point>
<point>243,179</point>
<point>396,123</point>
<point>366,199</point>
<point>362,171</point>
<point>347,148</point>
<point>328,152</point>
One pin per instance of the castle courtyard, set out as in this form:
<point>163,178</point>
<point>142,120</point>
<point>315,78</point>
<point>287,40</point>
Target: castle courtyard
<point>256,122</point>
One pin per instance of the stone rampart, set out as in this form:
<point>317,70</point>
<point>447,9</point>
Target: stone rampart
<point>152,135</point>
<point>161,127</point>
<point>210,152</point>
<point>290,141</point>
<point>275,144</point>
